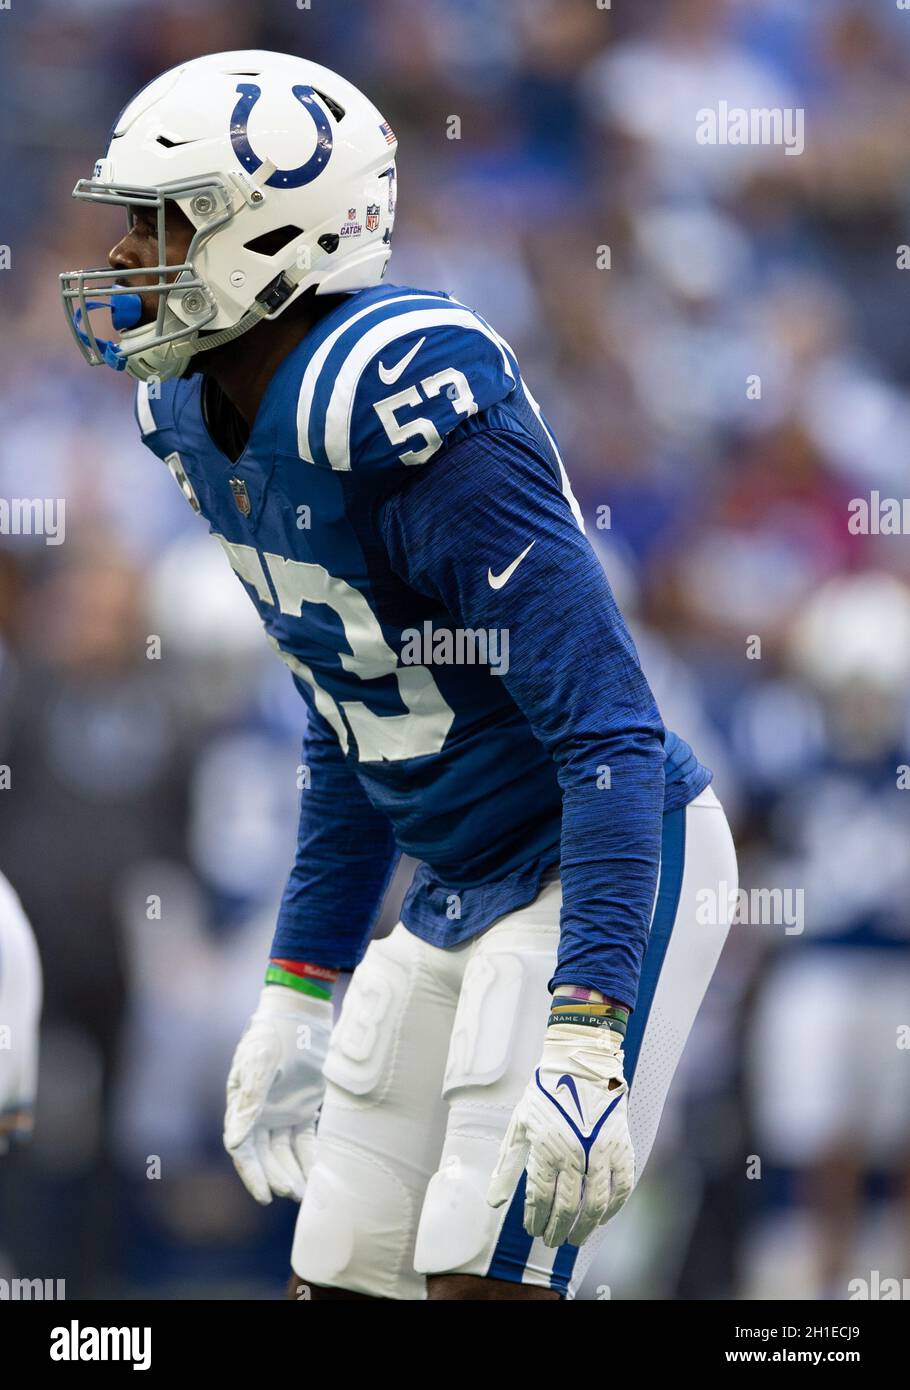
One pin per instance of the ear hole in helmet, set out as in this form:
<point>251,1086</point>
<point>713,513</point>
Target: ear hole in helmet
<point>337,111</point>
<point>270,243</point>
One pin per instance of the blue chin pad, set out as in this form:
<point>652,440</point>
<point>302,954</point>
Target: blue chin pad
<point>125,311</point>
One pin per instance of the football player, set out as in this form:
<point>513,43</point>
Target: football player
<point>20,1016</point>
<point>392,500</point>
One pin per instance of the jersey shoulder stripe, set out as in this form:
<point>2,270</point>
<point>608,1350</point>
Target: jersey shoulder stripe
<point>333,349</point>
<point>159,410</point>
<point>144,417</point>
<point>389,383</point>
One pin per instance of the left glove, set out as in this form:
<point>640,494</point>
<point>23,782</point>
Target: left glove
<point>570,1131</point>
<point>274,1092</point>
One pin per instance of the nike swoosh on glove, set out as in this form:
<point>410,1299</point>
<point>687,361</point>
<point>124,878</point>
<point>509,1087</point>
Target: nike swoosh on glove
<point>274,1091</point>
<point>570,1132</point>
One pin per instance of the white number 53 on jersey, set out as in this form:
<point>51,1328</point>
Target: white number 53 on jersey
<point>459,393</point>
<point>423,729</point>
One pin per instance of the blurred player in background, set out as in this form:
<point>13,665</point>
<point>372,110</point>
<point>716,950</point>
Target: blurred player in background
<point>385,486</point>
<point>834,1108</point>
<point>20,1017</point>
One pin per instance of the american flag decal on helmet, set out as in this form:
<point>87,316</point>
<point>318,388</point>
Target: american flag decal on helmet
<point>390,137</point>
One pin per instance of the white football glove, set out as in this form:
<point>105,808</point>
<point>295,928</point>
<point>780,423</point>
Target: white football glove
<point>274,1092</point>
<point>571,1132</point>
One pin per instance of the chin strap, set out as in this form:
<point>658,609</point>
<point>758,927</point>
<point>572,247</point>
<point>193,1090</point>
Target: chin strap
<point>275,294</point>
<point>267,302</point>
<point>225,335</point>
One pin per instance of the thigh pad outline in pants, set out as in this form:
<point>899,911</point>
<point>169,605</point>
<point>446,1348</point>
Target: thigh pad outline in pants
<point>382,1125</point>
<point>496,1044</point>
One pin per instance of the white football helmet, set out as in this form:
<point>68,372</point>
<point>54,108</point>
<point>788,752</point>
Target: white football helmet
<point>285,170</point>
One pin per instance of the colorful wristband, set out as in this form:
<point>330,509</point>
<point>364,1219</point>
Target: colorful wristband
<point>306,978</point>
<point>582,993</point>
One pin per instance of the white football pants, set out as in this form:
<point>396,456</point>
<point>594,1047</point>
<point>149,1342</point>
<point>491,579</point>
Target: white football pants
<point>432,1051</point>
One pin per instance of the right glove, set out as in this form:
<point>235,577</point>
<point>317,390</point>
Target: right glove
<point>570,1132</point>
<point>274,1091</point>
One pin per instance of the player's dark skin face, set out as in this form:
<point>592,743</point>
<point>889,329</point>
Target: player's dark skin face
<point>242,368</point>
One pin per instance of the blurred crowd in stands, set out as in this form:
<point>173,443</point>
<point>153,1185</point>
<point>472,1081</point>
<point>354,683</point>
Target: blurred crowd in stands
<point>720,337</point>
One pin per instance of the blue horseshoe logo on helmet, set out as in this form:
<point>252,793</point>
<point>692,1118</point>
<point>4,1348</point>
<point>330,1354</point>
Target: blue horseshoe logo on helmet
<point>282,178</point>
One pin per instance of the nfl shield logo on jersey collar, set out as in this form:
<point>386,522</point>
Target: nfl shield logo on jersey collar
<point>241,496</point>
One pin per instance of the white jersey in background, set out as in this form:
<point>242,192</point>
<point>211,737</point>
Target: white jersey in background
<point>20,1014</point>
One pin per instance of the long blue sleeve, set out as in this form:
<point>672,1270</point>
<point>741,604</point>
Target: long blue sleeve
<point>346,856</point>
<point>572,670</point>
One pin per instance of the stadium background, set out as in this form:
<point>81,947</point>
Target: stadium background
<point>728,521</point>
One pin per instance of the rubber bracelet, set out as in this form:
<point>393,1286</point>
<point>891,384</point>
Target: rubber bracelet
<point>615,1013</point>
<point>305,977</point>
<point>589,1021</point>
<point>591,1006</point>
<point>583,993</point>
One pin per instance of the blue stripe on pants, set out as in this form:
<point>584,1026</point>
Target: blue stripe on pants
<point>672,859</point>
<point>514,1245</point>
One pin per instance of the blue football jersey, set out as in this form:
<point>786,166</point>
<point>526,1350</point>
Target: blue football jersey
<point>400,483</point>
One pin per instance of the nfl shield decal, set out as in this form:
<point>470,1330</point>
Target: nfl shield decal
<point>352,227</point>
<point>372,217</point>
<point>241,496</point>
